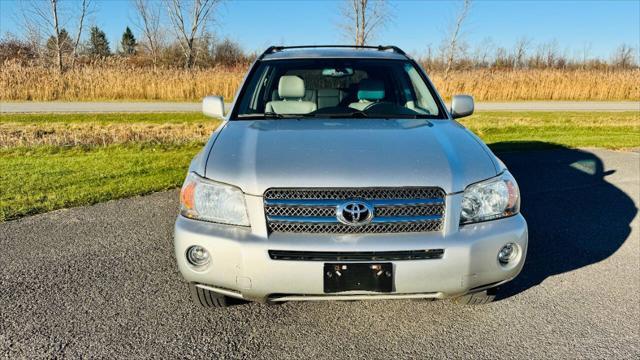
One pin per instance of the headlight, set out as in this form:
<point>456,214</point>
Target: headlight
<point>208,200</point>
<point>491,199</point>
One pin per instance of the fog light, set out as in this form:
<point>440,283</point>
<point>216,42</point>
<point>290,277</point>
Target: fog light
<point>197,256</point>
<point>507,253</point>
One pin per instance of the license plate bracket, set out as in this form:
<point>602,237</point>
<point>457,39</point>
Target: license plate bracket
<point>376,277</point>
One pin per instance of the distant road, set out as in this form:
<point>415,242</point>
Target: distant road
<point>107,107</point>
<point>560,106</point>
<point>96,107</point>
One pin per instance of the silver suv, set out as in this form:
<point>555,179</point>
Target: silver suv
<point>339,174</point>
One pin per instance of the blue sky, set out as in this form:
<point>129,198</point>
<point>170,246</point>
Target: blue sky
<point>600,25</point>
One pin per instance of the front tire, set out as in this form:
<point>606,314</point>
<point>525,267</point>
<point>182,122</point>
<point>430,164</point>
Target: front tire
<point>208,299</point>
<point>477,298</point>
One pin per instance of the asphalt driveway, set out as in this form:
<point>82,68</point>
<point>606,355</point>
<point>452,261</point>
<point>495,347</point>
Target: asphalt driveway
<point>101,281</point>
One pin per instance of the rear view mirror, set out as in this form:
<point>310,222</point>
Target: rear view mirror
<point>213,106</point>
<point>337,73</point>
<point>461,106</point>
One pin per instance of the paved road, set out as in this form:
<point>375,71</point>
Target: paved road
<point>101,281</point>
<point>560,106</point>
<point>96,107</point>
<point>105,107</point>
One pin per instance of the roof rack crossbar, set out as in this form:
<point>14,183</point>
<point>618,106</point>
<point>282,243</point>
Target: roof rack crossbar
<point>273,49</point>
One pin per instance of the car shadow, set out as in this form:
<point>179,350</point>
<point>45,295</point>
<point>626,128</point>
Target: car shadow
<point>575,216</point>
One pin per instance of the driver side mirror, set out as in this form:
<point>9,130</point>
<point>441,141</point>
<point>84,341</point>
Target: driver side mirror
<point>461,106</point>
<point>213,106</point>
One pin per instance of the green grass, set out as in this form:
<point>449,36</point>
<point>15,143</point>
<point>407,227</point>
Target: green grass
<point>525,130</point>
<point>44,178</point>
<point>39,180</point>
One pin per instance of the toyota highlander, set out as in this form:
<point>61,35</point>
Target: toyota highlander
<point>339,174</point>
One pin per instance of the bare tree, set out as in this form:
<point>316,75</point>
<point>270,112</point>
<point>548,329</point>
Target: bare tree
<point>37,17</point>
<point>84,9</point>
<point>483,51</point>
<point>520,52</point>
<point>362,18</point>
<point>623,57</point>
<point>428,60</point>
<point>501,58</point>
<point>228,53</point>
<point>550,53</point>
<point>188,30</point>
<point>586,53</point>
<point>148,21</point>
<point>33,34</point>
<point>56,27</point>
<point>453,40</point>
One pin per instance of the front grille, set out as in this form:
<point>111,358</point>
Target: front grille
<point>409,210</point>
<point>356,193</point>
<point>395,210</point>
<point>356,255</point>
<point>301,211</point>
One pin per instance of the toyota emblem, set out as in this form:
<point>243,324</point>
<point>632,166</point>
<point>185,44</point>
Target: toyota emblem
<point>354,213</point>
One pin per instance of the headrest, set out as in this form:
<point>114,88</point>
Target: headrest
<point>291,86</point>
<point>370,89</point>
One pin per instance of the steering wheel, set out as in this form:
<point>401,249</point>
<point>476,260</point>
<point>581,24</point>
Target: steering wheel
<point>374,104</point>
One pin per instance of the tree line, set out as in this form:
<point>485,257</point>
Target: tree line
<point>185,39</point>
<point>172,33</point>
<point>97,47</point>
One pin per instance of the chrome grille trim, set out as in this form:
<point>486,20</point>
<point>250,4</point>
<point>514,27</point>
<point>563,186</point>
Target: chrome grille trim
<point>409,210</point>
<point>395,209</point>
<point>355,193</point>
<point>319,228</point>
<point>336,202</point>
<point>303,219</point>
<point>333,220</point>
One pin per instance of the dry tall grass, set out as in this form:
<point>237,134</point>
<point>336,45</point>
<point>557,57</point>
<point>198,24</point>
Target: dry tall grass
<point>88,83</point>
<point>542,84</point>
<point>111,82</point>
<point>93,134</point>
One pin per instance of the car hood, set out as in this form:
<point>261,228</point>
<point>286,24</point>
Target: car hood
<point>260,154</point>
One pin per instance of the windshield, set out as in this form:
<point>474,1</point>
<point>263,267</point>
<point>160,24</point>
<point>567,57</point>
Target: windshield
<point>337,88</point>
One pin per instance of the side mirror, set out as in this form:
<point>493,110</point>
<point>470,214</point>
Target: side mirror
<point>461,106</point>
<point>213,106</point>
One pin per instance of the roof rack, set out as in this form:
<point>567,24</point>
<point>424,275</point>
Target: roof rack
<point>273,49</point>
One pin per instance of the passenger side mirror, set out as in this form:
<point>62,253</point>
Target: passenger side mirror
<point>461,106</point>
<point>213,106</point>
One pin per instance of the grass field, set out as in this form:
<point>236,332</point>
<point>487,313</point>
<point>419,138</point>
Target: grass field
<point>44,179</point>
<point>49,162</point>
<point>89,130</point>
<point>526,130</point>
<point>113,83</point>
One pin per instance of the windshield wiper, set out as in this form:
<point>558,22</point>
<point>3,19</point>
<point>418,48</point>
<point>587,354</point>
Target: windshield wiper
<point>362,114</point>
<point>353,114</point>
<point>272,115</point>
<point>345,115</point>
<point>414,116</point>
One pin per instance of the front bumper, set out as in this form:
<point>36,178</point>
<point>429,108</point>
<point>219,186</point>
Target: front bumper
<point>240,265</point>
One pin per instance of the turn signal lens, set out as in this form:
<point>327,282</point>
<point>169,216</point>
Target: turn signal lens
<point>187,195</point>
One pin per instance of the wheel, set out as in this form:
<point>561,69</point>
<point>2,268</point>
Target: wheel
<point>477,298</point>
<point>208,299</point>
